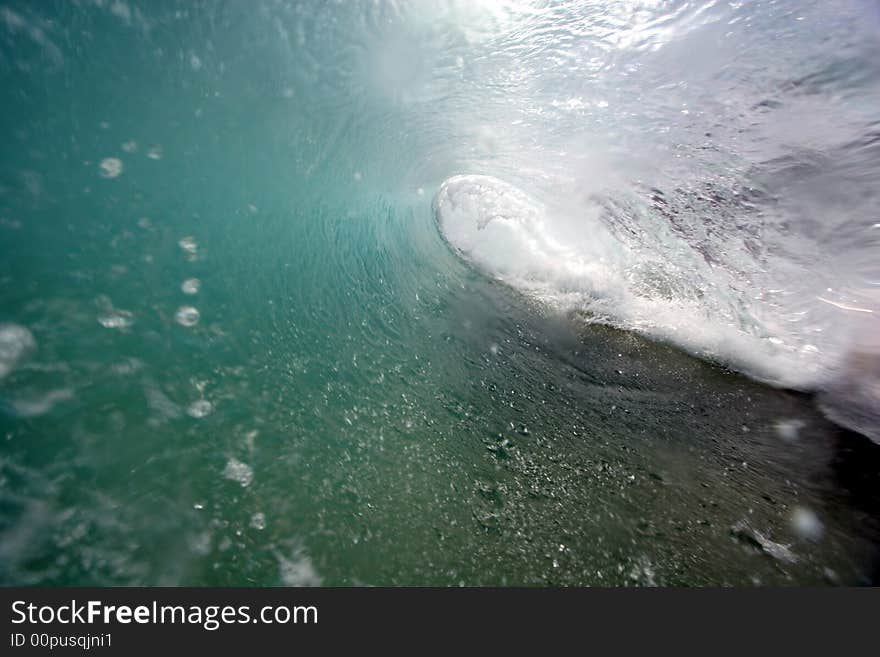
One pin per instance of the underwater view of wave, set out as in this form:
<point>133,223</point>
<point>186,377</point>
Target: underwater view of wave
<point>510,292</point>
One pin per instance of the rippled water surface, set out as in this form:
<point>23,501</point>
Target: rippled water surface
<point>442,293</point>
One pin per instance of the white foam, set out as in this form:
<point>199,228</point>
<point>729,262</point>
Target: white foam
<point>298,570</point>
<point>36,406</point>
<point>573,263</point>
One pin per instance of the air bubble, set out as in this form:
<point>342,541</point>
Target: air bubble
<point>187,316</point>
<point>110,167</point>
<point>116,319</point>
<point>237,471</point>
<point>200,408</point>
<point>15,341</point>
<point>806,524</point>
<point>191,286</point>
<point>188,244</point>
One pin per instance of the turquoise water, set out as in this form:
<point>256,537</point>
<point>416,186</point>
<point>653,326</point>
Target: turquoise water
<point>236,349</point>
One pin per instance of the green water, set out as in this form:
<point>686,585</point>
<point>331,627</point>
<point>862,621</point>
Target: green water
<point>377,412</point>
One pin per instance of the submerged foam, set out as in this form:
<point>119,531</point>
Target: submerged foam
<point>15,342</point>
<point>531,246</point>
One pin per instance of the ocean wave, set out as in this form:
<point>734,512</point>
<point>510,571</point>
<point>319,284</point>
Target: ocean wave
<point>574,264</point>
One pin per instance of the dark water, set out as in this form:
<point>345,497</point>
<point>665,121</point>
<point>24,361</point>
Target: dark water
<point>236,349</point>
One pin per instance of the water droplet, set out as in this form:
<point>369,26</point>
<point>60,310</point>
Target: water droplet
<point>155,152</point>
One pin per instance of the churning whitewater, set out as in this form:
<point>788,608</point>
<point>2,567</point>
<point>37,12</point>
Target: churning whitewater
<point>574,264</point>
